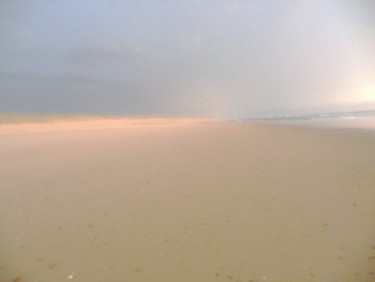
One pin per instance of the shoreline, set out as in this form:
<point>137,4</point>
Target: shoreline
<point>67,123</point>
<point>365,124</point>
<point>17,123</point>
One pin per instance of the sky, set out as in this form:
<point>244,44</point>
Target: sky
<point>186,57</point>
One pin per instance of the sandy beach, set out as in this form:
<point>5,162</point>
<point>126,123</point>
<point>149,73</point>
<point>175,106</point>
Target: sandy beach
<point>185,200</point>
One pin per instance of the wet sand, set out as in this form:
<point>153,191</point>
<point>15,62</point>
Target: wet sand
<point>185,200</point>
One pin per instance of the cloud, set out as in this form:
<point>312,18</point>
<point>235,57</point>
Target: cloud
<point>61,78</point>
<point>234,58</point>
<point>90,55</point>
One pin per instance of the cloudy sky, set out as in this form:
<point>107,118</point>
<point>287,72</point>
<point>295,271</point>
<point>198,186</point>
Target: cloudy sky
<point>192,57</point>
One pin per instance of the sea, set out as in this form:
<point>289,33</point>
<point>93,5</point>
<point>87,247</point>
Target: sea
<point>354,120</point>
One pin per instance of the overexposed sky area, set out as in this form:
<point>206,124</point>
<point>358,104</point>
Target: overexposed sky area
<point>175,57</point>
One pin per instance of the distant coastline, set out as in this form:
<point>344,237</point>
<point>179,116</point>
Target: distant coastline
<point>14,118</point>
<point>342,120</point>
<point>19,118</point>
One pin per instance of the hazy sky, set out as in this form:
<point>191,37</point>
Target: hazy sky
<point>213,57</point>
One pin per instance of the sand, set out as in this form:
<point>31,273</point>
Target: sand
<point>185,200</point>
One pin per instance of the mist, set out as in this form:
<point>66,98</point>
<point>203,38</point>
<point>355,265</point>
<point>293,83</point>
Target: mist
<point>209,58</point>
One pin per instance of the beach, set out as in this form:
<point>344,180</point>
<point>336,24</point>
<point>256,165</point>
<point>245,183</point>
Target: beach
<point>166,199</point>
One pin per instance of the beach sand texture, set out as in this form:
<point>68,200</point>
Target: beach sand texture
<point>185,200</point>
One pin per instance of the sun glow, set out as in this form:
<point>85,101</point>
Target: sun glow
<point>367,93</point>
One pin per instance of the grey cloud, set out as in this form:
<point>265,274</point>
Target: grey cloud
<point>72,94</point>
<point>233,58</point>
<point>94,54</point>
<point>71,78</point>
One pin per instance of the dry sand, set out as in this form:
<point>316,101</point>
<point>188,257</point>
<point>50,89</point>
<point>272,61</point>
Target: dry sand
<point>185,200</point>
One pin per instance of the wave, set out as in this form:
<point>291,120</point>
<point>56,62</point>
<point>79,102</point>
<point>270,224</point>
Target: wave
<point>313,116</point>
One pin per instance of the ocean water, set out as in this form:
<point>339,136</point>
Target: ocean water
<point>358,120</point>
